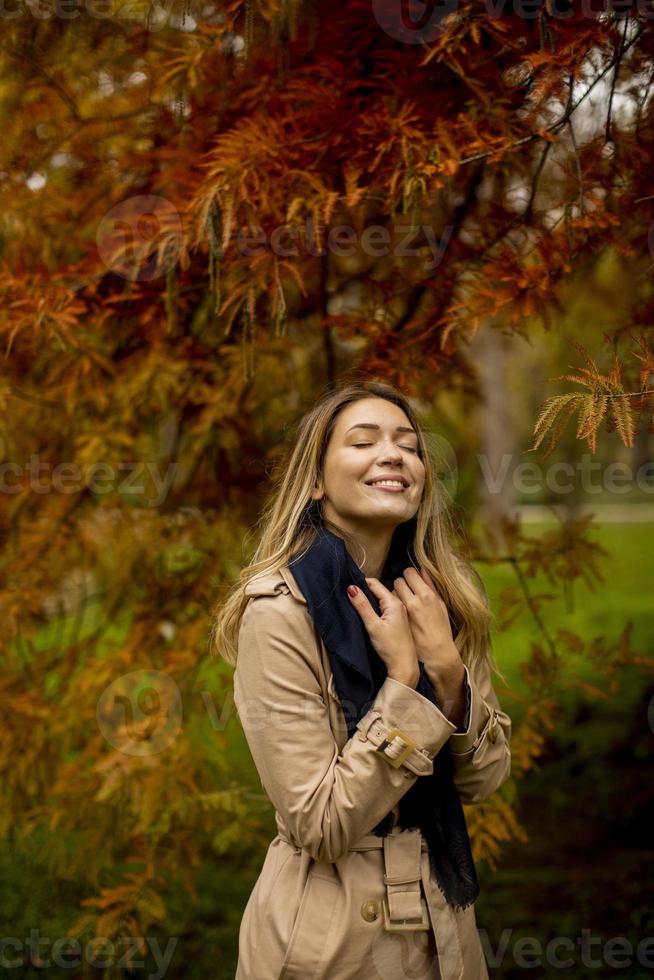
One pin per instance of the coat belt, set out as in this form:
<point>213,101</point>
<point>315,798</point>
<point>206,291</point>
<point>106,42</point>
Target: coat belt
<point>405,909</point>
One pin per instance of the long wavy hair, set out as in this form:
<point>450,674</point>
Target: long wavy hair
<point>290,518</point>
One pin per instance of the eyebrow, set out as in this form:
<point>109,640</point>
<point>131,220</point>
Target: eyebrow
<point>373,425</point>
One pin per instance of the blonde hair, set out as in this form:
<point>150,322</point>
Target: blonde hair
<point>290,516</point>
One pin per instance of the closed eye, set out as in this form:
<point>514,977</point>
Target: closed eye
<point>360,445</point>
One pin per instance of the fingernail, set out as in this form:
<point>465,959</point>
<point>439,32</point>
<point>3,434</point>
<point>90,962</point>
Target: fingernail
<point>352,590</point>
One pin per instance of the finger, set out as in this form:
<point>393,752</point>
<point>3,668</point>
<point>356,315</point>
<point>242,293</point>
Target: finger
<point>376,587</point>
<point>426,577</point>
<point>403,590</point>
<point>380,592</point>
<point>415,580</point>
<point>432,585</point>
<point>363,607</point>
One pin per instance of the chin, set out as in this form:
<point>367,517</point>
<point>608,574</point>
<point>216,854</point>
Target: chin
<point>385,517</point>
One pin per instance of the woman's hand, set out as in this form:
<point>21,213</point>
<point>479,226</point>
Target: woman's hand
<point>389,633</point>
<point>432,636</point>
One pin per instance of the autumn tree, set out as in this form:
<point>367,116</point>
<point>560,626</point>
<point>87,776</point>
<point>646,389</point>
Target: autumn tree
<point>209,212</point>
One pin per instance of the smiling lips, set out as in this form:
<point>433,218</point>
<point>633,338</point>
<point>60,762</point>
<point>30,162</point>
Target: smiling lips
<point>388,484</point>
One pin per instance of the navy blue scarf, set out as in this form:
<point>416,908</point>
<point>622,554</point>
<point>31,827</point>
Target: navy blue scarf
<point>432,803</point>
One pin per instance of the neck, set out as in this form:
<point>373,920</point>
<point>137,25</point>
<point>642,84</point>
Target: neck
<point>374,541</point>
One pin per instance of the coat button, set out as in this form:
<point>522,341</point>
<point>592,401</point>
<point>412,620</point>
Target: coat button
<point>370,910</point>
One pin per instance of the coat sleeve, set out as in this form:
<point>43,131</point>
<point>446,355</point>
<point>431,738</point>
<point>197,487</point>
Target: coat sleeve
<point>481,753</point>
<point>327,799</point>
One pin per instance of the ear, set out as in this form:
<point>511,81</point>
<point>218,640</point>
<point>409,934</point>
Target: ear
<point>317,493</point>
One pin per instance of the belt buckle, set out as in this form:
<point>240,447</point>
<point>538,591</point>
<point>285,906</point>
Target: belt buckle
<point>406,925</point>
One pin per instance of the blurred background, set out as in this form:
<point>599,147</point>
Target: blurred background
<point>210,213</point>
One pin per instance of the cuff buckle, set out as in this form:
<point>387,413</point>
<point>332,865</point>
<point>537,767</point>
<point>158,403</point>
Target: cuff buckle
<point>409,746</point>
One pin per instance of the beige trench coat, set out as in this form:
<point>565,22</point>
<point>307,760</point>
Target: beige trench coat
<point>334,901</point>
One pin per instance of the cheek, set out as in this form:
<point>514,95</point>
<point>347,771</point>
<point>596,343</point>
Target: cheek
<point>342,471</point>
<point>420,485</point>
<point>353,463</point>
<point>419,472</point>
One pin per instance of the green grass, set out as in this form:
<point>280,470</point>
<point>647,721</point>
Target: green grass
<point>625,594</point>
<point>588,808</point>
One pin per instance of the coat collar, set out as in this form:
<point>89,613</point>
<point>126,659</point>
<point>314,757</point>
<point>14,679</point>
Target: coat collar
<point>267,583</point>
<point>294,588</point>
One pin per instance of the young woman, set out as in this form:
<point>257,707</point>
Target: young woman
<point>361,641</point>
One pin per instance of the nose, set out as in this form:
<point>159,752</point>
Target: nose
<point>390,453</point>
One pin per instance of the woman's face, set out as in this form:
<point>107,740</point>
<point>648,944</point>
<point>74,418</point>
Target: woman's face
<point>372,440</point>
